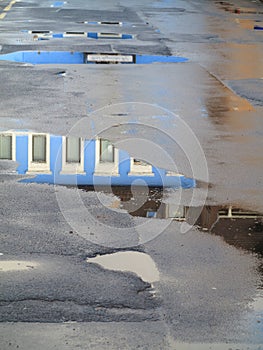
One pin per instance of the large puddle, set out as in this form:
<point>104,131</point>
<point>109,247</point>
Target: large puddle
<point>237,226</point>
<point>139,263</point>
<point>70,160</point>
<point>131,184</point>
<point>64,57</point>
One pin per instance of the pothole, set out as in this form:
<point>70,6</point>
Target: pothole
<point>139,263</point>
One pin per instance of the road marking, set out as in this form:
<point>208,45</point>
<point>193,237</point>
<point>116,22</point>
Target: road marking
<point>9,6</point>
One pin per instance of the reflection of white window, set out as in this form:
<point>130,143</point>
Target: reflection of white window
<point>7,146</point>
<point>72,155</point>
<point>39,153</point>
<point>107,158</point>
<point>73,150</point>
<point>106,151</point>
<point>39,145</point>
<point>140,168</point>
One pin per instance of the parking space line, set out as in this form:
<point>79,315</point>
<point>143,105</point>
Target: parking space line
<point>9,6</point>
<point>6,9</point>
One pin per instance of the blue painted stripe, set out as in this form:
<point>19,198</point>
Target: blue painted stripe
<point>258,27</point>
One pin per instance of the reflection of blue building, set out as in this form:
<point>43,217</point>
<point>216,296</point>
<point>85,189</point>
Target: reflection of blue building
<point>72,160</point>
<point>65,57</point>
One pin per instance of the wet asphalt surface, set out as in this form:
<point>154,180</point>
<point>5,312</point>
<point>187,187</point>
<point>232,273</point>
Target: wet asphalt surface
<point>210,292</point>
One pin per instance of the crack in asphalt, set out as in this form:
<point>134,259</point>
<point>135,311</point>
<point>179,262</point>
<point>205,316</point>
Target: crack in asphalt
<point>93,305</point>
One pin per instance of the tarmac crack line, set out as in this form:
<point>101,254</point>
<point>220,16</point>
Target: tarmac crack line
<point>93,305</point>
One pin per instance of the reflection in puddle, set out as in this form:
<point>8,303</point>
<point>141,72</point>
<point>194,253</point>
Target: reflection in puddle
<point>137,201</point>
<point>15,265</point>
<point>239,227</point>
<point>139,263</point>
<point>73,160</point>
<point>138,186</point>
<point>47,35</point>
<point>249,24</point>
<point>63,57</point>
<point>230,7</point>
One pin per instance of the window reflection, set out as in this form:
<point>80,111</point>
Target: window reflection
<point>106,151</point>
<point>5,147</point>
<point>39,148</point>
<point>73,148</point>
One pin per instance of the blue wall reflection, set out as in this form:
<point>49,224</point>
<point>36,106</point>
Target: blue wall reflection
<point>71,160</point>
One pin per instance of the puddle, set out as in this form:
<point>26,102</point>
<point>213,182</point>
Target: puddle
<point>76,161</point>
<point>46,35</point>
<point>15,265</point>
<point>96,35</point>
<point>105,23</point>
<point>230,7</point>
<point>238,227</point>
<point>58,4</point>
<point>139,263</point>
<point>112,24</point>
<point>131,184</point>
<point>65,57</point>
<point>249,24</point>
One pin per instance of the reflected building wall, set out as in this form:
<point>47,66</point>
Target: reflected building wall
<point>47,158</point>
